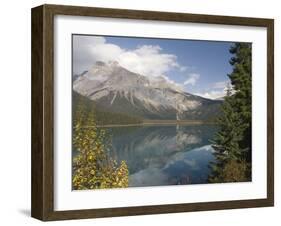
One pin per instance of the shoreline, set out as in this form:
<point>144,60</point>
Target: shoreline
<point>158,123</point>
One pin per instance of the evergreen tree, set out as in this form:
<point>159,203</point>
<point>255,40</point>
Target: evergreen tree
<point>232,143</point>
<point>241,80</point>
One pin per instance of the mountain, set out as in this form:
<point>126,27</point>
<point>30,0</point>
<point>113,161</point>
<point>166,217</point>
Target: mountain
<point>102,117</point>
<point>118,90</point>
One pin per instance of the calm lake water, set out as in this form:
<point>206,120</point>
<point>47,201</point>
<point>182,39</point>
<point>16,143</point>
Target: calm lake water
<point>164,155</point>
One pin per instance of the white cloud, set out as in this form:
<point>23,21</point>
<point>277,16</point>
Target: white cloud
<point>82,56</point>
<point>192,79</point>
<point>105,52</point>
<point>148,60</point>
<point>213,94</point>
<point>217,90</point>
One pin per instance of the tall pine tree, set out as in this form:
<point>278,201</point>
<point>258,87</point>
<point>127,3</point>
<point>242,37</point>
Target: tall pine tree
<point>232,143</point>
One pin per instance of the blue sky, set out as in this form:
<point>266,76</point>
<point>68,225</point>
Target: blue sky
<point>199,67</point>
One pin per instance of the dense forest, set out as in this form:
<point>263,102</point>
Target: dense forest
<point>102,117</point>
<point>233,142</point>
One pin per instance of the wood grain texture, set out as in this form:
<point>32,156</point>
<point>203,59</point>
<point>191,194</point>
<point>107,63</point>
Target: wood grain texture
<point>270,111</point>
<point>43,108</point>
<point>37,159</point>
<point>42,113</point>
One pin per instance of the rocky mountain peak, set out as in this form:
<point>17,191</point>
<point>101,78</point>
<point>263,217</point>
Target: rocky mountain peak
<point>120,90</point>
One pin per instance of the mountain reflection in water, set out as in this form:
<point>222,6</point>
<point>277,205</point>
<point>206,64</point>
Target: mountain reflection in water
<point>164,155</point>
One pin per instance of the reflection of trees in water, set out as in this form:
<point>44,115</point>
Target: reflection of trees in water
<point>149,146</point>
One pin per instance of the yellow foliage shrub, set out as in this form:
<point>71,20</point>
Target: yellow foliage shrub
<point>92,166</point>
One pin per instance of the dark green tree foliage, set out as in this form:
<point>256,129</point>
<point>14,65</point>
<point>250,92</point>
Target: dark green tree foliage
<point>102,117</point>
<point>232,142</point>
<point>241,80</point>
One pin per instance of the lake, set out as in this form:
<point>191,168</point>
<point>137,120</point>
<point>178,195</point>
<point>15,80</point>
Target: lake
<point>164,155</point>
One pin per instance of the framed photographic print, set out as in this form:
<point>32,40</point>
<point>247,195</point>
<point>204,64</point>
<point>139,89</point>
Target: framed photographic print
<point>141,112</point>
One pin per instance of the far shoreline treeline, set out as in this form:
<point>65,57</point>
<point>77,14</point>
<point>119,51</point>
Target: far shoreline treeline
<point>105,118</point>
<point>160,123</point>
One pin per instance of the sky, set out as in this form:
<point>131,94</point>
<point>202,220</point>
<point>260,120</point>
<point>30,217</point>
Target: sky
<point>197,67</point>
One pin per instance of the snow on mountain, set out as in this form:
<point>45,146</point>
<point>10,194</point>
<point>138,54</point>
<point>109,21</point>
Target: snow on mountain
<point>117,89</point>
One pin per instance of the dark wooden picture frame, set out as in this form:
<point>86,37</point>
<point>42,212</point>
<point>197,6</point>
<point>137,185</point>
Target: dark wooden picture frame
<point>42,203</point>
